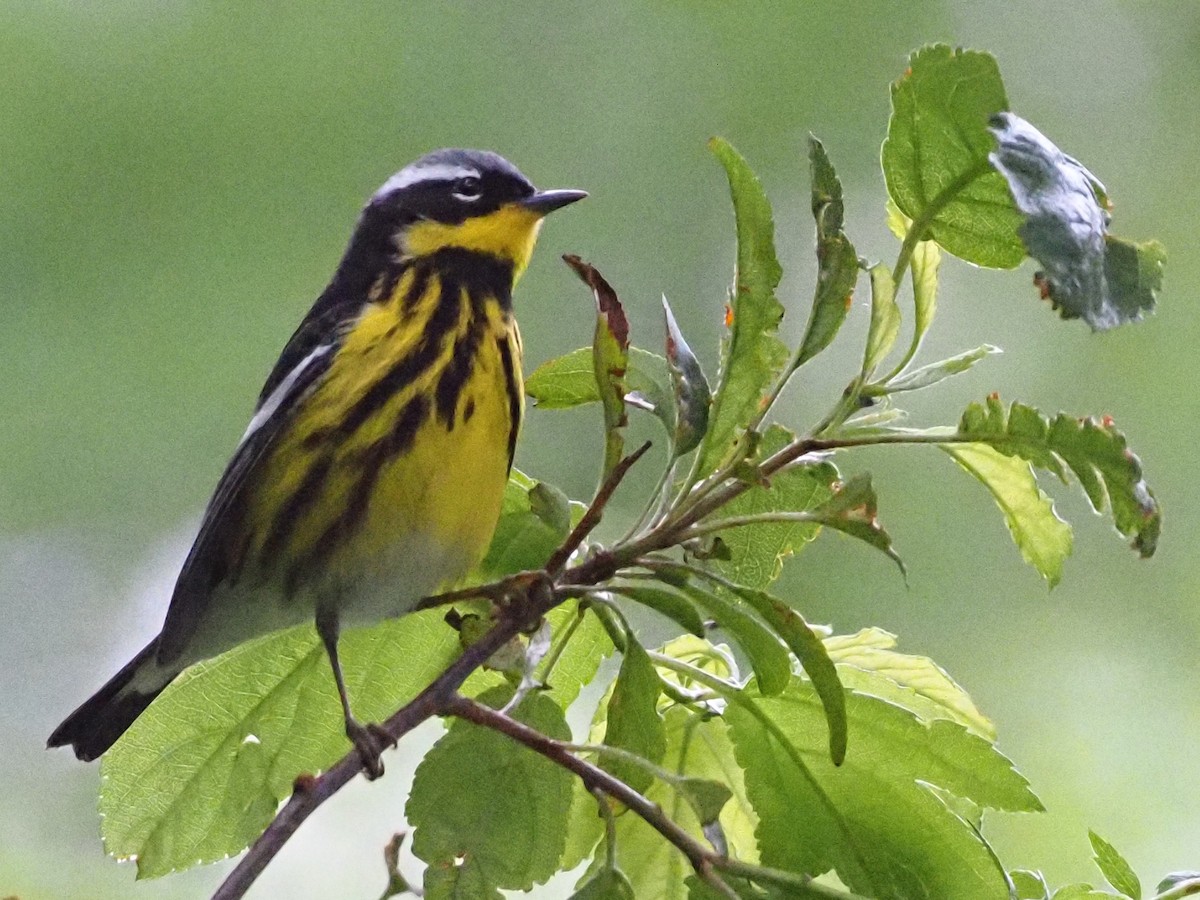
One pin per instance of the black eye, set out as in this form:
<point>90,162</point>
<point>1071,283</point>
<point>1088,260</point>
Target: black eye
<point>468,189</point>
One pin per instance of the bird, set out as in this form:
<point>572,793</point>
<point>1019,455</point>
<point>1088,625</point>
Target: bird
<point>372,471</point>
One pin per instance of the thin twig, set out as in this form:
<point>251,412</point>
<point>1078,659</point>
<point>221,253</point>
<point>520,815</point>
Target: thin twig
<point>704,860</point>
<point>558,560</point>
<point>311,793</point>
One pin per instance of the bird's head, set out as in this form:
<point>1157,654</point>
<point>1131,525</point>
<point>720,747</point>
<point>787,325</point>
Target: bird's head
<point>471,200</point>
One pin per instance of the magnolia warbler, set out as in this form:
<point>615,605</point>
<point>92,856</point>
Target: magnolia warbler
<point>373,468</point>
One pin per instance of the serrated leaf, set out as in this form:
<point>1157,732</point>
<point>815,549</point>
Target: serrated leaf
<point>837,261</point>
<point>580,659</point>
<point>885,318</point>
<point>479,795</point>
<point>633,722</point>
<point>1088,273</point>
<point>1095,451</point>
<point>867,663</point>
<point>935,157</point>
<point>873,820</point>
<point>1045,540</point>
<point>1114,867</point>
<point>608,884</point>
<point>853,510</point>
<point>692,395</point>
<point>751,354</point>
<point>767,655</point>
<point>676,607</point>
<point>1029,885</point>
<point>610,357</point>
<point>463,880</point>
<point>255,717</point>
<point>814,658</point>
<point>939,371</point>
<point>585,827</point>
<point>757,553</point>
<point>698,746</point>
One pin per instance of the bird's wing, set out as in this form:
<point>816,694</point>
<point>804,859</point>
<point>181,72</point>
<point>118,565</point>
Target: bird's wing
<point>301,366</point>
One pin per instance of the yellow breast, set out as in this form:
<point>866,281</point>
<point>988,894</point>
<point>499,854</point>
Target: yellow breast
<point>388,484</point>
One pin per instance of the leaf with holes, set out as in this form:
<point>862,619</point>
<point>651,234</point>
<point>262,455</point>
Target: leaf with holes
<point>481,796</point>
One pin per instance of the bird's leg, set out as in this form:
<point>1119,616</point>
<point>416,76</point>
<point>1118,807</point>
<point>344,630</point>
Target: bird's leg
<point>369,740</point>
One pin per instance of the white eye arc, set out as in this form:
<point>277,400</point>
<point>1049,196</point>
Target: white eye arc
<point>468,189</point>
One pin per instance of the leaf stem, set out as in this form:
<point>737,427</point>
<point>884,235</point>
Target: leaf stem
<point>704,860</point>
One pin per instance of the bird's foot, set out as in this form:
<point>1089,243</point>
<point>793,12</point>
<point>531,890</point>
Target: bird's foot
<point>370,741</point>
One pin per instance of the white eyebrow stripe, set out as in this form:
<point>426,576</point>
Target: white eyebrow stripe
<point>417,174</point>
<point>273,402</point>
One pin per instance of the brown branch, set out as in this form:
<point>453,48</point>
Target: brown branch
<point>591,518</point>
<point>310,793</point>
<point>528,597</point>
<point>707,862</point>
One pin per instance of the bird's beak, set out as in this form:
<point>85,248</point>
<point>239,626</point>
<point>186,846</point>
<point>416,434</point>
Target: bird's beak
<point>545,202</point>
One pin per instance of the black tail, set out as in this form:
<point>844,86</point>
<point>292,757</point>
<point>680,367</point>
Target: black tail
<point>106,715</point>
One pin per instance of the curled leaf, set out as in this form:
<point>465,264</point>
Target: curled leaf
<point>610,357</point>
<point>692,397</point>
<point>1088,273</point>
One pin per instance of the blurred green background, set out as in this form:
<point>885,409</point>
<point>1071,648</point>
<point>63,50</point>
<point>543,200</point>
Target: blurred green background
<point>177,180</point>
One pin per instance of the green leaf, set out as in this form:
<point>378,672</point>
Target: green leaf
<point>463,880</point>
<point>867,663</point>
<point>751,355</point>
<point>1087,273</point>
<point>873,819</point>
<point>1043,538</point>
<point>924,264</point>
<point>935,157</point>
<point>837,261</point>
<point>1108,471</point>
<point>580,659</point>
<point>479,795</point>
<point>674,606</point>
<point>885,318</point>
<point>1115,869</point>
<point>1175,879</point>
<point>608,884</point>
<point>700,747</point>
<point>1029,885</point>
<point>767,655</point>
<point>814,658</point>
<point>692,396</point>
<point>743,889</point>
<point>585,827</point>
<point>757,552</point>
<point>938,371</point>
<point>1080,892</point>
<point>706,797</point>
<point>633,722</point>
<point>531,526</point>
<point>853,510</point>
<point>610,357</point>
<point>570,380</point>
<point>201,773</point>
